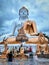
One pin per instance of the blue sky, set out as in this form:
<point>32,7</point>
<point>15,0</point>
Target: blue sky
<point>38,12</point>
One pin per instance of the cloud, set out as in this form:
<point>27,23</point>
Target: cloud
<point>38,11</point>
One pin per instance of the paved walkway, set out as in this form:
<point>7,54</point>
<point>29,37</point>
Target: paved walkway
<point>30,61</point>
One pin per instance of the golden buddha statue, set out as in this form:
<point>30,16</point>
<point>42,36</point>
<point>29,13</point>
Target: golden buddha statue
<point>21,51</point>
<point>41,38</point>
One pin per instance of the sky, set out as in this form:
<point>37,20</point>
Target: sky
<point>9,15</point>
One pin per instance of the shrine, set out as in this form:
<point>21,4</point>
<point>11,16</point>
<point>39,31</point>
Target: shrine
<point>29,27</point>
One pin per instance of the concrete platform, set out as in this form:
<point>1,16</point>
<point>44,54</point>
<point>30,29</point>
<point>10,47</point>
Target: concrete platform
<point>29,61</point>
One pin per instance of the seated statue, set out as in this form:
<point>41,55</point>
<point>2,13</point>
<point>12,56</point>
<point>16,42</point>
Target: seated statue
<point>41,38</point>
<point>21,51</point>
